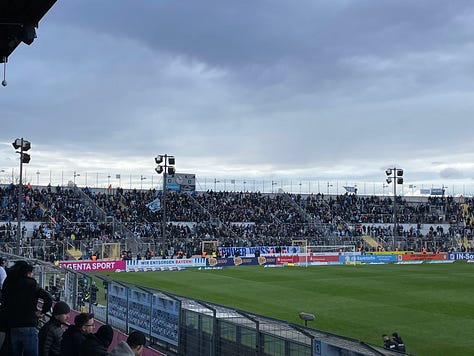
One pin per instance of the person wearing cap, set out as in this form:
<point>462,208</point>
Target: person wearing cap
<point>75,334</point>
<point>97,344</point>
<point>51,334</point>
<point>134,345</point>
<point>19,309</point>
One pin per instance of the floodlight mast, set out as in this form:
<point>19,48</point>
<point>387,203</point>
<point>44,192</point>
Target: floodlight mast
<point>166,166</point>
<point>24,146</point>
<point>394,175</point>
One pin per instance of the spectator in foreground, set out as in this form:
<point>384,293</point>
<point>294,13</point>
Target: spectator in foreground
<point>19,310</point>
<point>3,271</point>
<point>75,335</point>
<point>388,344</point>
<point>51,334</point>
<point>3,276</point>
<point>134,345</point>
<point>399,341</point>
<point>97,344</point>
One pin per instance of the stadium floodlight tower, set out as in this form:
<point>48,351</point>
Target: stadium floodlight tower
<point>166,166</point>
<point>394,175</point>
<point>23,145</point>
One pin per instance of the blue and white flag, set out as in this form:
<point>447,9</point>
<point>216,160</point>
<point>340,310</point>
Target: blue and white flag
<point>350,189</point>
<point>155,205</point>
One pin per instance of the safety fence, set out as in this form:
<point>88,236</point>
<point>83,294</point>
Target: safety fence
<point>176,325</point>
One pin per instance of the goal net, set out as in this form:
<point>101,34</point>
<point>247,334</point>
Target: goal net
<point>111,251</point>
<point>209,247</point>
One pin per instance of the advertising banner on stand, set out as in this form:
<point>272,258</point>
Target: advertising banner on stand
<point>90,266</point>
<point>467,256</point>
<point>241,261</point>
<point>164,264</point>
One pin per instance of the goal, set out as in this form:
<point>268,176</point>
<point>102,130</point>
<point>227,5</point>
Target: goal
<point>111,251</point>
<point>209,247</point>
<point>341,253</point>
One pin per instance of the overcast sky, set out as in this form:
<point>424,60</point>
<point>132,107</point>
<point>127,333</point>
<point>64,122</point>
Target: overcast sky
<point>327,90</point>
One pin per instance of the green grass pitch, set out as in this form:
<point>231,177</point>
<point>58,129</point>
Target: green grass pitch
<point>430,305</point>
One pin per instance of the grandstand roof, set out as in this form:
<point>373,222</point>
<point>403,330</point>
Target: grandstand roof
<point>18,20</point>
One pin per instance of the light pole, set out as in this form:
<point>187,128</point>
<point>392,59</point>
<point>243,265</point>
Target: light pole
<point>394,175</point>
<point>37,177</point>
<point>166,166</point>
<point>273,183</point>
<point>141,182</point>
<point>215,184</point>
<point>75,175</point>
<point>328,185</point>
<point>24,146</point>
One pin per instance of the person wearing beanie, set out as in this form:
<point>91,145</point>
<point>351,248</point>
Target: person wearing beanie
<point>75,334</point>
<point>51,333</point>
<point>134,346</point>
<point>19,309</point>
<point>97,344</point>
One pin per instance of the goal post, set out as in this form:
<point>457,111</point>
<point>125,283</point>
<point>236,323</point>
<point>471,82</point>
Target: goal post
<point>300,244</point>
<point>347,252</point>
<point>110,251</point>
<point>209,247</point>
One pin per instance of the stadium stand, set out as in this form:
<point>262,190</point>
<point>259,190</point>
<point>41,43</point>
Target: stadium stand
<point>68,222</point>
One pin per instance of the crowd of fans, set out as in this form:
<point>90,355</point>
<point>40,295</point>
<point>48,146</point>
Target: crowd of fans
<point>81,216</point>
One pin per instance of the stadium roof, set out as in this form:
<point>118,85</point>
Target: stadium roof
<point>18,20</point>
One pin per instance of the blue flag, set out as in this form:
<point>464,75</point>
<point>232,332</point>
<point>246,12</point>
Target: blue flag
<point>155,205</point>
<point>350,189</point>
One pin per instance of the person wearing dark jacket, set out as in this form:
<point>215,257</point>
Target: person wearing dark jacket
<point>97,344</point>
<point>19,309</point>
<point>75,334</point>
<point>51,334</point>
<point>388,344</point>
<point>399,341</point>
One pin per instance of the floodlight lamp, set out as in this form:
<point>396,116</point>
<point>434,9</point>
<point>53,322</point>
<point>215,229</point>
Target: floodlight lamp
<point>25,145</point>
<point>388,171</point>
<point>399,180</point>
<point>171,160</point>
<point>400,172</point>
<point>158,159</point>
<point>17,143</point>
<point>159,169</point>
<point>25,158</point>
<point>389,180</point>
<point>171,170</point>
